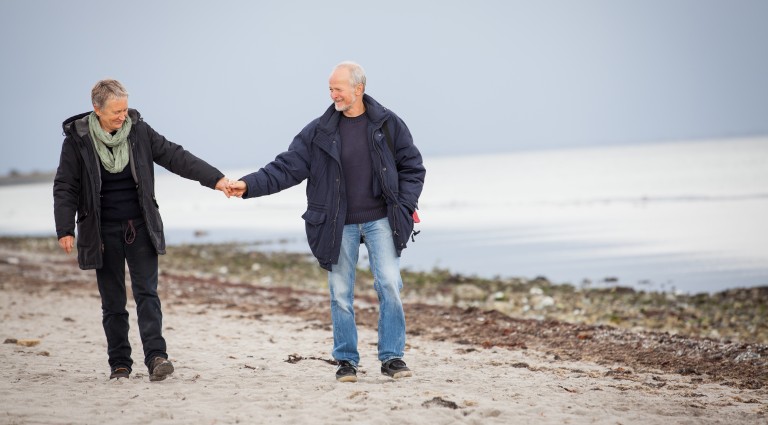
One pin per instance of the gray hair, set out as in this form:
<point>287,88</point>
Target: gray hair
<point>105,90</point>
<point>356,73</point>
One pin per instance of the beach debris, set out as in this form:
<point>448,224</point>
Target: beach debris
<point>618,372</point>
<point>28,342</point>
<point>655,385</point>
<point>687,371</point>
<point>746,356</point>
<point>360,395</point>
<point>468,292</point>
<point>440,402</point>
<point>22,342</point>
<point>295,358</point>
<point>742,400</point>
<point>499,296</point>
<point>540,303</point>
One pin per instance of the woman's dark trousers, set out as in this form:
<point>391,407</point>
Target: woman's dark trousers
<point>129,242</point>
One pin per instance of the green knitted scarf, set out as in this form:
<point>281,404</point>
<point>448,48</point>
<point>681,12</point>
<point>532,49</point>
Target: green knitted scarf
<point>116,159</point>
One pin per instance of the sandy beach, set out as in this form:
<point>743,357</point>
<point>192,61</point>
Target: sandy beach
<point>242,356</point>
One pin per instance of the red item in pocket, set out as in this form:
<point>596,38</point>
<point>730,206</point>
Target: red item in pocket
<point>416,217</point>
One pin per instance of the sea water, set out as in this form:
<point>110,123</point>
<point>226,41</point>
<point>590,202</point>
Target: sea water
<point>683,216</point>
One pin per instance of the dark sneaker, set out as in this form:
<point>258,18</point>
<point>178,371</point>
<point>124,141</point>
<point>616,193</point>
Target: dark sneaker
<point>160,368</point>
<point>120,372</point>
<point>346,372</point>
<point>395,368</point>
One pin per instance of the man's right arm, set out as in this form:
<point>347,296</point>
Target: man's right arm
<point>287,170</point>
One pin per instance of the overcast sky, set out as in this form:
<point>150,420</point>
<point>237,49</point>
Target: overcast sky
<point>235,81</point>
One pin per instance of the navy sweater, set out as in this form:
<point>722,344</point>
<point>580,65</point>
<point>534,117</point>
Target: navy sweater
<point>362,206</point>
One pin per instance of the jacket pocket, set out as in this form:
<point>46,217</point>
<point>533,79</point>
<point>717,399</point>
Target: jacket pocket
<point>155,220</point>
<point>87,242</point>
<point>81,217</point>
<point>404,226</point>
<point>314,223</point>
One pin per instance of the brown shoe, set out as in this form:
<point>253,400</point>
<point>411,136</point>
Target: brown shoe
<point>120,372</point>
<point>160,368</point>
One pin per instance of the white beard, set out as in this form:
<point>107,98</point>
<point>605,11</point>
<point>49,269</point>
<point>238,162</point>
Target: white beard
<point>345,108</point>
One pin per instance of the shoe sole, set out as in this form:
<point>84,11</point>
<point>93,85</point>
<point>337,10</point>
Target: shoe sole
<point>398,375</point>
<point>161,372</point>
<point>350,378</point>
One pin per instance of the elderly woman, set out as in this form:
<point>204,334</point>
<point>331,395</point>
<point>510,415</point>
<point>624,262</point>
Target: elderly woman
<point>106,178</point>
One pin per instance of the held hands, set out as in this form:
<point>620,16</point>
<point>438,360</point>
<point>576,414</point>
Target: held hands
<point>223,185</point>
<point>235,188</point>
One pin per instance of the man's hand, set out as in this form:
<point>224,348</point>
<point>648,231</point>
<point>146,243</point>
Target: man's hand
<point>237,188</point>
<point>67,243</point>
<point>224,185</point>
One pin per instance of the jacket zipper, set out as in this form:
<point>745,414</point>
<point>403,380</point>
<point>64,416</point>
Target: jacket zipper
<point>384,186</point>
<point>338,206</point>
<point>96,182</point>
<point>139,189</point>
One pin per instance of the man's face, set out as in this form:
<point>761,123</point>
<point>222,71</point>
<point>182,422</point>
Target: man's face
<point>112,115</point>
<point>343,94</point>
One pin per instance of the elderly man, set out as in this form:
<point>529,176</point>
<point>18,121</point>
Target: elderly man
<point>106,177</point>
<point>364,177</point>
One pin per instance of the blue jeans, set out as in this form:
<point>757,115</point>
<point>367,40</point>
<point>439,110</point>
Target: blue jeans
<point>385,266</point>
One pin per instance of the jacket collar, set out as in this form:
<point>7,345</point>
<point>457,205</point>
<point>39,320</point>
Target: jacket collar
<point>78,125</point>
<point>377,113</point>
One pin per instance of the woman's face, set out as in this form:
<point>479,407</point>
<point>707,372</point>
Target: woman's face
<point>112,115</point>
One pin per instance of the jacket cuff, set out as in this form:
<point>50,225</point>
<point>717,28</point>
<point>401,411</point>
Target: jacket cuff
<point>212,183</point>
<point>248,183</point>
<point>61,234</point>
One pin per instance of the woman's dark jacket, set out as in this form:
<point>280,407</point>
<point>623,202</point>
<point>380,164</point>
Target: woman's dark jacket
<point>315,155</point>
<point>77,186</point>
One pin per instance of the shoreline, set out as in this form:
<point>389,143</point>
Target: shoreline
<point>257,345</point>
<point>247,348</point>
<point>17,178</point>
<point>738,315</point>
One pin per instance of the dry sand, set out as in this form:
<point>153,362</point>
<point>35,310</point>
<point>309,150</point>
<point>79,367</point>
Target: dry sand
<point>232,367</point>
